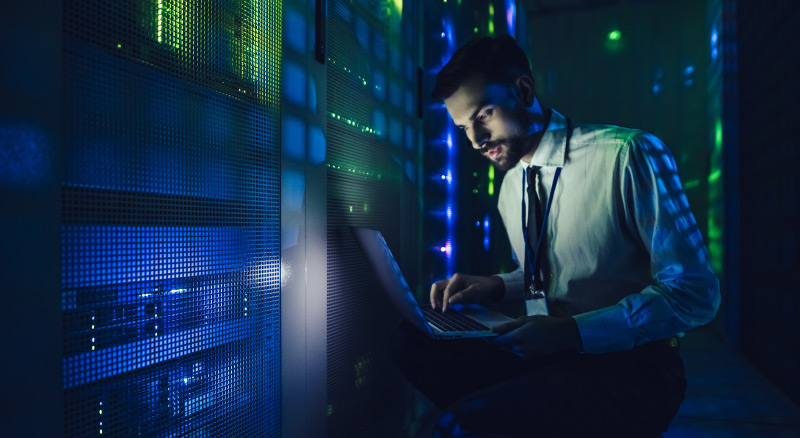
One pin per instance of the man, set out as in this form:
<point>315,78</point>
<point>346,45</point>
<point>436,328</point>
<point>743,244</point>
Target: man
<point>611,267</point>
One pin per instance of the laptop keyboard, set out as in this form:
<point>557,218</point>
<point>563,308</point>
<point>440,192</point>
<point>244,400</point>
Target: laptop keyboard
<point>452,321</point>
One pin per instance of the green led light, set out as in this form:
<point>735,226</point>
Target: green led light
<point>475,30</point>
<point>119,46</point>
<point>718,135</point>
<point>714,176</point>
<point>474,173</point>
<point>351,209</point>
<point>491,19</point>
<point>353,123</point>
<point>366,208</point>
<point>614,35</point>
<point>159,17</point>
<point>692,184</point>
<point>474,191</point>
<point>491,188</point>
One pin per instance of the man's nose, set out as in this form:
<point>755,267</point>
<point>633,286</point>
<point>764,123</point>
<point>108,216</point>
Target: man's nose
<point>480,137</point>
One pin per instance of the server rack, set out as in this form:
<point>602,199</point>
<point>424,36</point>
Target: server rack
<point>170,252</point>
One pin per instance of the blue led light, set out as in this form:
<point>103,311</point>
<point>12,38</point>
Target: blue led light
<point>714,43</point>
<point>444,35</point>
<point>511,17</point>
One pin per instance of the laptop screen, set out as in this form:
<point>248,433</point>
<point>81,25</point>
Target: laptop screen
<point>385,267</point>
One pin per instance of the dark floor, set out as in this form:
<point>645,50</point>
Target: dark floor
<point>726,397</point>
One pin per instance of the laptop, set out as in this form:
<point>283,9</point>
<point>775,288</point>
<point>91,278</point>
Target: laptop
<point>464,321</point>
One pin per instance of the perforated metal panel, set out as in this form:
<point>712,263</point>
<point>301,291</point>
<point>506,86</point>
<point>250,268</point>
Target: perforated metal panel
<point>372,145</point>
<point>171,218</point>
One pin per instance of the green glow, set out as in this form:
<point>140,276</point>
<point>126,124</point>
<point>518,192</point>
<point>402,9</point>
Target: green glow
<point>119,46</point>
<point>353,171</point>
<point>398,5</point>
<point>474,173</point>
<point>330,410</point>
<point>159,21</point>
<point>490,189</point>
<point>491,19</point>
<point>692,184</point>
<point>353,123</point>
<point>363,369</point>
<point>351,209</point>
<point>718,135</point>
<point>474,191</point>
<point>713,176</point>
<point>361,79</point>
<point>614,35</point>
<point>475,30</point>
<point>366,208</point>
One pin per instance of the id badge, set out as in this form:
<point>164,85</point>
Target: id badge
<point>536,302</point>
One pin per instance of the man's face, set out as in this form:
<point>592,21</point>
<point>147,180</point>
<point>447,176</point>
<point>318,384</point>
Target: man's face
<point>494,119</point>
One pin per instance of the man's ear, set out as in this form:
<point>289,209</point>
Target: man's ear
<point>526,90</point>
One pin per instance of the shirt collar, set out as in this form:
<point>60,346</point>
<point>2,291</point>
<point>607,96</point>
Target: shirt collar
<point>552,149</point>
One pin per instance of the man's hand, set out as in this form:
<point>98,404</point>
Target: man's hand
<point>538,335</point>
<point>466,289</point>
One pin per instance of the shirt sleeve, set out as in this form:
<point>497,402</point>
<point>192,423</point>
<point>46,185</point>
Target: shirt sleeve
<point>514,282</point>
<point>685,291</point>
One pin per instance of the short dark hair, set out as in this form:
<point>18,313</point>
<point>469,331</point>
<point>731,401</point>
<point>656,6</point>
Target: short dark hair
<point>495,59</point>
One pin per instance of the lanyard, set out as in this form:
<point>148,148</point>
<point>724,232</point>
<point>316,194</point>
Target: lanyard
<point>533,262</point>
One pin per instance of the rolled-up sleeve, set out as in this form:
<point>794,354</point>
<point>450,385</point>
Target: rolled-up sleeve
<point>685,291</point>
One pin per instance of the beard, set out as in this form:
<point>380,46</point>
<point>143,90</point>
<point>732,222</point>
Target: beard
<point>511,150</point>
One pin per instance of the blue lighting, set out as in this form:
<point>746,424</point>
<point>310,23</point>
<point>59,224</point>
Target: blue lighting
<point>293,138</point>
<point>449,140</point>
<point>477,223</point>
<point>444,35</point>
<point>294,79</point>
<point>295,30</point>
<point>714,43</point>
<point>449,176</point>
<point>486,229</point>
<point>511,17</point>
<point>25,156</point>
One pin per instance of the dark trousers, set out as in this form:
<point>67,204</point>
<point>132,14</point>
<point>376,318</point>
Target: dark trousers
<point>486,392</point>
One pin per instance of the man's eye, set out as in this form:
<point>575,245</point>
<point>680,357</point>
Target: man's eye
<point>485,115</point>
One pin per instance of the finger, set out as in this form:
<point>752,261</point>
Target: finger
<point>465,295</point>
<point>509,326</point>
<point>436,289</point>
<point>432,294</point>
<point>451,289</point>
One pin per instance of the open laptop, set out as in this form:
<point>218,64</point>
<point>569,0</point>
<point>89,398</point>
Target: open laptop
<point>465,321</point>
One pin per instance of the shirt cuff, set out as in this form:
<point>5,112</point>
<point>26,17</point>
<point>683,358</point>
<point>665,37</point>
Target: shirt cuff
<point>514,283</point>
<point>604,330</point>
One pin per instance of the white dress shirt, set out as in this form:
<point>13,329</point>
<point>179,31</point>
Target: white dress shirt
<point>623,254</point>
